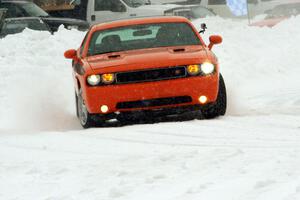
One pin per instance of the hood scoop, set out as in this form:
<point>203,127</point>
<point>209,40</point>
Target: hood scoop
<point>113,56</point>
<point>178,50</point>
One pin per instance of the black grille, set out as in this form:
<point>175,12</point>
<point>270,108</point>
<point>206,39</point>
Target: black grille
<point>151,75</point>
<point>154,102</point>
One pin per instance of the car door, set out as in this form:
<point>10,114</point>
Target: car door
<point>108,10</point>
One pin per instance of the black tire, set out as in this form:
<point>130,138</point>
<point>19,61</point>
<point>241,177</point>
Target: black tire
<point>76,105</point>
<point>219,107</point>
<point>85,118</point>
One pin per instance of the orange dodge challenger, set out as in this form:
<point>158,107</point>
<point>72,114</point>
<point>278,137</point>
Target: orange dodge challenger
<point>146,67</point>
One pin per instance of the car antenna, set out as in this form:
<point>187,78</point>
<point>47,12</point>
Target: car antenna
<point>203,28</point>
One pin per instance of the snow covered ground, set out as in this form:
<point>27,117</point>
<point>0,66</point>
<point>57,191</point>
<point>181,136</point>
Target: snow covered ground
<point>251,153</point>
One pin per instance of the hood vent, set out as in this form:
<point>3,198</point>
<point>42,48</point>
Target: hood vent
<point>113,56</point>
<point>178,50</point>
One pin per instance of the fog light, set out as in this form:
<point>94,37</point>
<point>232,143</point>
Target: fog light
<point>108,78</point>
<point>104,109</point>
<point>193,69</point>
<point>202,99</point>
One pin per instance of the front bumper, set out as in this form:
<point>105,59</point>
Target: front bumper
<point>115,95</point>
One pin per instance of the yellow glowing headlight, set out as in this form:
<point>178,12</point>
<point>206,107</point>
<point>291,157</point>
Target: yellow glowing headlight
<point>108,78</point>
<point>207,68</point>
<point>193,69</point>
<point>93,80</point>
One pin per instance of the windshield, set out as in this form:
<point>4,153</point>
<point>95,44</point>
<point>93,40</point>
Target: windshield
<point>286,10</point>
<point>32,10</point>
<point>137,3</point>
<point>22,9</point>
<point>142,37</point>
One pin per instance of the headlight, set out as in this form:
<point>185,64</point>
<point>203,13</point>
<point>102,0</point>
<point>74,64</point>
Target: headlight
<point>108,78</point>
<point>193,69</point>
<point>207,68</point>
<point>93,80</point>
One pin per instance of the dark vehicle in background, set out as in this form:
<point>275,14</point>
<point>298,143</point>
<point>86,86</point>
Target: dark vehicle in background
<point>280,13</point>
<point>17,25</point>
<point>18,8</point>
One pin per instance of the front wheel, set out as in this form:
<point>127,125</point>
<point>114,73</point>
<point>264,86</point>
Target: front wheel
<point>219,107</point>
<point>85,118</point>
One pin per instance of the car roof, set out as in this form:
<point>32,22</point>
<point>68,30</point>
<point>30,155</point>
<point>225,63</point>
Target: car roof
<point>136,21</point>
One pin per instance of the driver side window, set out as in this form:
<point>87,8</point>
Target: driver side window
<point>12,10</point>
<point>107,5</point>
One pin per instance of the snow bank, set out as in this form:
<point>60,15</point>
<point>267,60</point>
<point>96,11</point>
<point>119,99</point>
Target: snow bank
<point>37,89</point>
<point>253,156</point>
<point>260,67</point>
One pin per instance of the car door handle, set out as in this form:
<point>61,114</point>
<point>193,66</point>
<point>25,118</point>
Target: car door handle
<point>132,15</point>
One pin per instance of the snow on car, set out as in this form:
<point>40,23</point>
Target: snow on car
<point>121,68</point>
<point>24,8</point>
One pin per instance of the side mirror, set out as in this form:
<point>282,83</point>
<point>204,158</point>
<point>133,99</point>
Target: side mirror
<point>71,54</point>
<point>203,28</point>
<point>214,39</point>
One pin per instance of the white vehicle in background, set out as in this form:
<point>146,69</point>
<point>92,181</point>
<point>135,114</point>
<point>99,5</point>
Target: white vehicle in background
<point>108,10</point>
<point>98,11</point>
<point>220,6</point>
<point>268,5</point>
<point>217,6</point>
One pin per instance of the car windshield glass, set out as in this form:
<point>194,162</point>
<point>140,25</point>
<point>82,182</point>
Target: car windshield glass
<point>32,10</point>
<point>137,3</point>
<point>142,37</point>
<point>18,25</point>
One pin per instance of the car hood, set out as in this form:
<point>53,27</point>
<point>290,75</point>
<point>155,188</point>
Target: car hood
<point>159,7</point>
<point>164,7</point>
<point>66,21</point>
<point>149,58</point>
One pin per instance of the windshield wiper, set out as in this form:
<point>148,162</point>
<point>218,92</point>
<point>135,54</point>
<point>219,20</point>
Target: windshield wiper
<point>99,53</point>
